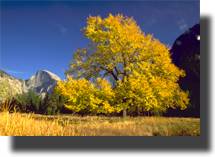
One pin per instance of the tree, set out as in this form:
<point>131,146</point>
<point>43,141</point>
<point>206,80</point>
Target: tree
<point>53,103</point>
<point>105,96</point>
<point>82,96</point>
<point>29,102</point>
<point>77,93</point>
<point>138,65</point>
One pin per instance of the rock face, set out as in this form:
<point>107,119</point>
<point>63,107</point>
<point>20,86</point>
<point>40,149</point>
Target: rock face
<point>186,55</point>
<point>9,86</point>
<point>42,82</point>
<point>186,51</point>
<point>17,84</point>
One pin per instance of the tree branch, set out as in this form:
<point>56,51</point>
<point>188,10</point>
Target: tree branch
<point>110,72</point>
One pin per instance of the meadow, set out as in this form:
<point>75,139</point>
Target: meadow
<point>19,124</point>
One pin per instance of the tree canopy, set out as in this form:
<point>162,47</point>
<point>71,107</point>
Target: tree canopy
<point>138,66</point>
<point>81,96</point>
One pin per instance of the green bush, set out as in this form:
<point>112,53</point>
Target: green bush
<point>29,102</point>
<point>53,104</point>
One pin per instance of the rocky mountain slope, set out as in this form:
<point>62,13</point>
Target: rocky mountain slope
<point>186,55</point>
<point>9,86</point>
<point>186,51</point>
<point>42,82</point>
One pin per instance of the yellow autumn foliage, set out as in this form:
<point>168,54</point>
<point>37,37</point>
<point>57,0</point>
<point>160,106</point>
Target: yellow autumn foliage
<point>138,69</point>
<point>81,96</point>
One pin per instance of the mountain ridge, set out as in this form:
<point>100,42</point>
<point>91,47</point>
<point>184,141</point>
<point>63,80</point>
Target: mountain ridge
<point>186,55</point>
<point>42,82</point>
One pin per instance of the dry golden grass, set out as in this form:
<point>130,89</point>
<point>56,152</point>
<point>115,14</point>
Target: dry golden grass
<point>17,124</point>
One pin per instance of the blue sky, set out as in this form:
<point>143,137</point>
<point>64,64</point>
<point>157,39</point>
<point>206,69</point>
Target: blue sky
<point>44,35</point>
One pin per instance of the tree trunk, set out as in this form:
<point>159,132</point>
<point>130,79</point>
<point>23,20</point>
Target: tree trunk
<point>124,113</point>
<point>138,111</point>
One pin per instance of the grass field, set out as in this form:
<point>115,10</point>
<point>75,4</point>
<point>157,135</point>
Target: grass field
<point>17,124</point>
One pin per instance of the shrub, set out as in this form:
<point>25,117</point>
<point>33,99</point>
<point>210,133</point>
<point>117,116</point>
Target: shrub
<point>53,104</point>
<point>29,102</point>
<point>83,97</point>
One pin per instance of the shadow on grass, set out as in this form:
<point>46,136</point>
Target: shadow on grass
<point>184,143</point>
